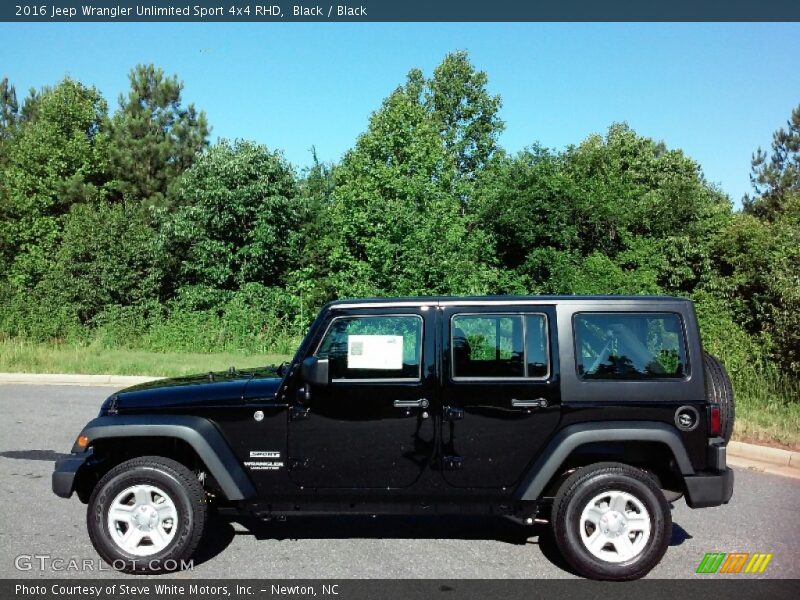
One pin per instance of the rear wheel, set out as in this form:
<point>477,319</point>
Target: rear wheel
<point>611,521</point>
<point>147,515</point>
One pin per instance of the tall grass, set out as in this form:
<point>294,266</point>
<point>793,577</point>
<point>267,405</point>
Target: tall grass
<point>767,406</point>
<point>18,356</point>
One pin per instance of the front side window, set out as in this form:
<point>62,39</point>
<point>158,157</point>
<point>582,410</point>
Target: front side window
<point>630,346</point>
<point>385,347</point>
<point>499,346</point>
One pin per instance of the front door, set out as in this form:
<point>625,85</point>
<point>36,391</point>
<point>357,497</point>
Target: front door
<point>500,392</point>
<point>370,427</point>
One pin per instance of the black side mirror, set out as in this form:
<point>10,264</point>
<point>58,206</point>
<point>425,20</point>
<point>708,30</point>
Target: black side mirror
<point>315,371</point>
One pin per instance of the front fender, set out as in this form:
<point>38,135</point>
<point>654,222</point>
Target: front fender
<point>204,438</point>
<point>570,438</point>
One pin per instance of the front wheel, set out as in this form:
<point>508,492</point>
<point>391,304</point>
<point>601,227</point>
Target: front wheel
<point>147,515</point>
<point>611,521</point>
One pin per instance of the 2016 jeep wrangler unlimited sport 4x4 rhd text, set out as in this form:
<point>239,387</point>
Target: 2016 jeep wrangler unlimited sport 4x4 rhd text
<point>584,411</point>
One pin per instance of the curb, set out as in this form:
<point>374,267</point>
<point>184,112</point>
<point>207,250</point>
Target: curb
<point>70,379</point>
<point>739,463</point>
<point>765,454</point>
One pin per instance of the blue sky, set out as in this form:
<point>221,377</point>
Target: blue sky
<point>717,91</point>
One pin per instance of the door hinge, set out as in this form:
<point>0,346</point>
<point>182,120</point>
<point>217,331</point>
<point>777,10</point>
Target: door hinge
<point>453,414</point>
<point>298,413</point>
<point>298,464</point>
<point>453,463</point>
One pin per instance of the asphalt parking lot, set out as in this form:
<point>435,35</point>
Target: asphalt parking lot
<point>40,422</point>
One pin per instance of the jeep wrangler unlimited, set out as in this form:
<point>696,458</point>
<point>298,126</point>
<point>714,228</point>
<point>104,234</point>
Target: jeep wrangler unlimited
<point>587,412</point>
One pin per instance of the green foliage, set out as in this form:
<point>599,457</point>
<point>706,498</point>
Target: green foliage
<point>54,160</point>
<point>397,224</point>
<point>109,256</point>
<point>776,177</point>
<point>466,114</point>
<point>620,214</point>
<point>154,138</point>
<point>237,216</point>
<point>760,266</point>
<point>9,110</point>
<point>129,231</point>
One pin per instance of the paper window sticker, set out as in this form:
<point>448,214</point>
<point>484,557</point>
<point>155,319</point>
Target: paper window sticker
<point>381,352</point>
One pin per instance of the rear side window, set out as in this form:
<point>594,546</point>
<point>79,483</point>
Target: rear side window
<point>369,348</point>
<point>630,346</point>
<point>499,346</point>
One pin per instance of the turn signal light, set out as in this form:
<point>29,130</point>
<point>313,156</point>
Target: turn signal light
<point>714,428</point>
<point>82,441</point>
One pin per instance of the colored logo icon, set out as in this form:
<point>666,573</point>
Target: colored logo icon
<point>734,562</point>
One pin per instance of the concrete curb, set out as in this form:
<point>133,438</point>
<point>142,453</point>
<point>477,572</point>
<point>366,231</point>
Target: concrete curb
<point>70,379</point>
<point>765,454</point>
<point>739,463</point>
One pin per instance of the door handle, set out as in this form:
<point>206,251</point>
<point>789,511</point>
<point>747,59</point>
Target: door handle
<point>421,403</point>
<point>536,403</point>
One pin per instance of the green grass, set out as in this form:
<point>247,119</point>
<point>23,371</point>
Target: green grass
<point>26,357</point>
<point>767,406</point>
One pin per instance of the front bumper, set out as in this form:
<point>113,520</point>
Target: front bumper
<point>66,470</point>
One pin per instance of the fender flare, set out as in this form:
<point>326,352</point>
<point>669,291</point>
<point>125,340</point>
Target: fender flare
<point>204,438</point>
<point>570,438</point>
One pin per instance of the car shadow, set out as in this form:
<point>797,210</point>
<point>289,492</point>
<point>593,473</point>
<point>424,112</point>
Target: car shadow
<point>221,531</point>
<point>45,455</point>
<point>679,535</point>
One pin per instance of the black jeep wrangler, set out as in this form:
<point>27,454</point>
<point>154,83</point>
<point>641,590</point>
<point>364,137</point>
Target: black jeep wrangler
<point>588,412</point>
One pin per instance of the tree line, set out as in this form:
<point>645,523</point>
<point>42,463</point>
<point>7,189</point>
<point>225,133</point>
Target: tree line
<point>128,227</point>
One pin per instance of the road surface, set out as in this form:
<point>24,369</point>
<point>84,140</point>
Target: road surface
<point>37,423</point>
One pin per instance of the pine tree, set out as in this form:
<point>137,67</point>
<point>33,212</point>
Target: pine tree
<point>776,177</point>
<point>154,137</point>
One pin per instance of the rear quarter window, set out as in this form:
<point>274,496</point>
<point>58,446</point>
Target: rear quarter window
<point>630,346</point>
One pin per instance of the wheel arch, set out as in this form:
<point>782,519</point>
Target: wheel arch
<point>196,433</point>
<point>559,455</point>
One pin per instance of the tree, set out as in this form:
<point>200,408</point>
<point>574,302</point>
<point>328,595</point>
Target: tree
<point>759,265</point>
<point>466,114</point>
<point>57,158</point>
<point>154,139</point>
<point>396,220</point>
<point>776,177</point>
<point>9,110</point>
<point>238,211</point>
<point>109,256</point>
<point>614,213</point>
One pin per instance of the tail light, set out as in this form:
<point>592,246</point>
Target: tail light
<point>714,422</point>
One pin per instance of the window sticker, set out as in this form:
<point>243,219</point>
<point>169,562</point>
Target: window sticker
<point>383,352</point>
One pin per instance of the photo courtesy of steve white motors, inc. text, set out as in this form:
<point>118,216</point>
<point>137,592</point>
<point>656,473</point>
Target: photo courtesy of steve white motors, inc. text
<point>197,12</point>
<point>162,589</point>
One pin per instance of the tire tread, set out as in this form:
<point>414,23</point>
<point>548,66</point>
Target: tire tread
<point>190,485</point>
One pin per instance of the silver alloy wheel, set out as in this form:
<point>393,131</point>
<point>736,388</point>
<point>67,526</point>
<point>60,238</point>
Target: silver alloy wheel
<point>615,526</point>
<point>142,520</point>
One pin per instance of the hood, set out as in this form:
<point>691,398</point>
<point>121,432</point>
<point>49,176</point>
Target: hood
<point>215,389</point>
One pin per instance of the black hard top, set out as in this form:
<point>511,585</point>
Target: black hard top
<point>465,300</point>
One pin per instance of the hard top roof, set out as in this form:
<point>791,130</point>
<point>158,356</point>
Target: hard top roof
<point>500,300</point>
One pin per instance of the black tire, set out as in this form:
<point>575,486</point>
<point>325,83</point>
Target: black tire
<point>578,491</point>
<point>183,489</point>
<point>720,392</point>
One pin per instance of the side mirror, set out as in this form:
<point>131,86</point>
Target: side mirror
<point>315,371</point>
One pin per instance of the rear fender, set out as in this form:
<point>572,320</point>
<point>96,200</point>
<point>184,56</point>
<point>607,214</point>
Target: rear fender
<point>568,439</point>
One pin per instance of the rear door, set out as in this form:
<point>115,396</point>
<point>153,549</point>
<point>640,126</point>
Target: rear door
<point>500,391</point>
